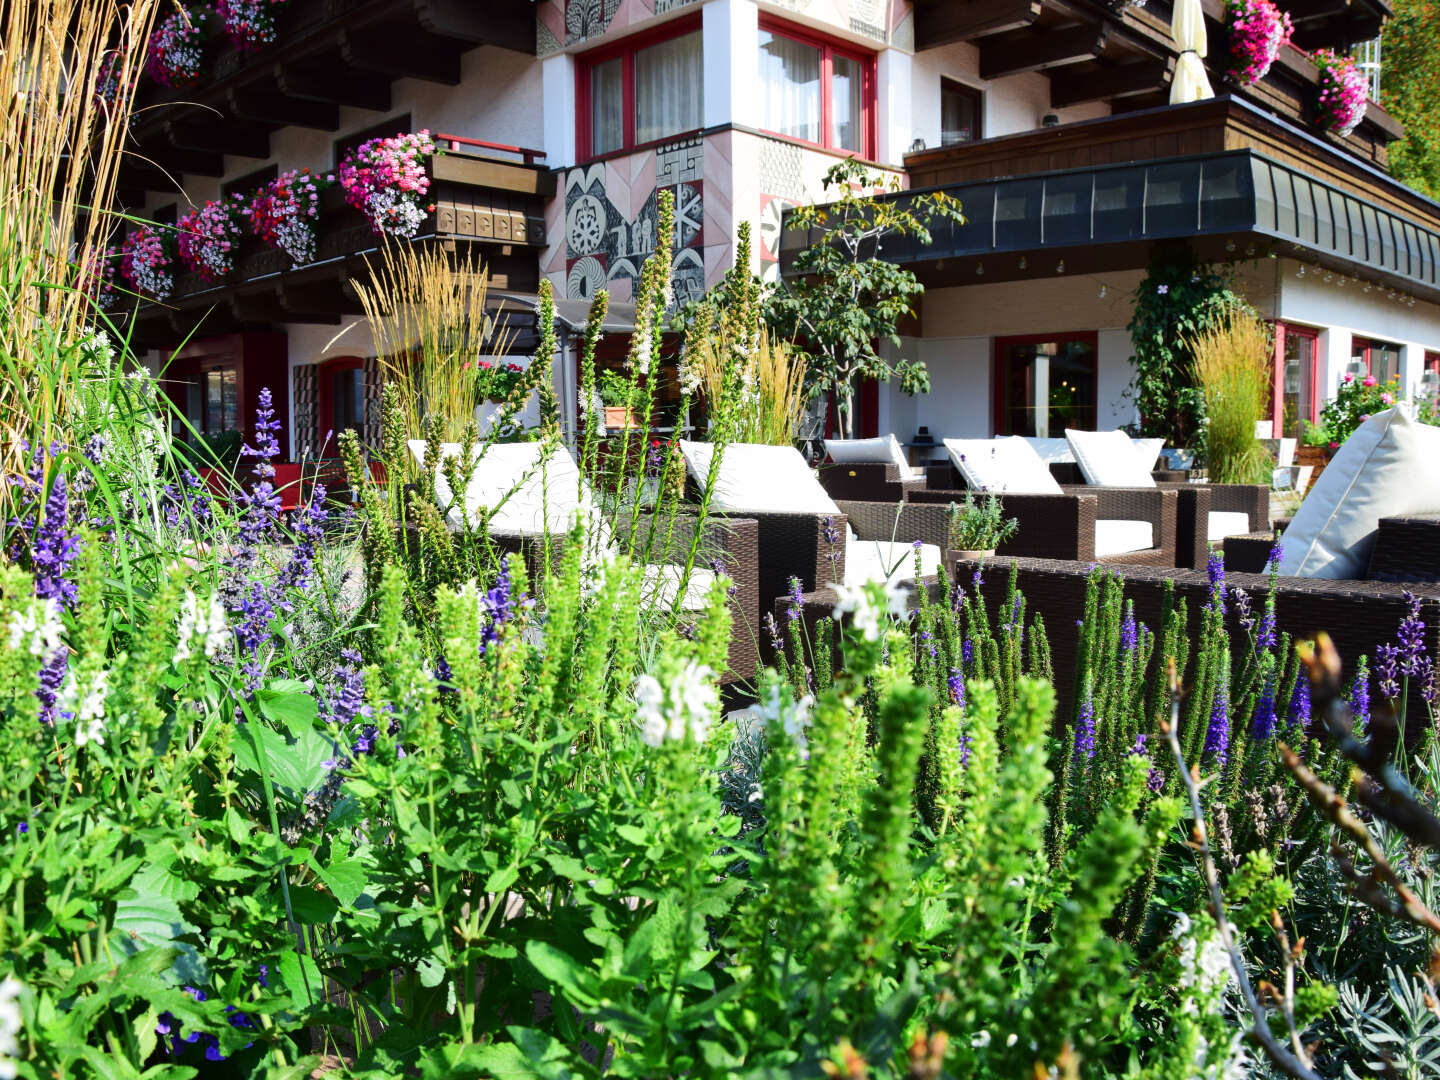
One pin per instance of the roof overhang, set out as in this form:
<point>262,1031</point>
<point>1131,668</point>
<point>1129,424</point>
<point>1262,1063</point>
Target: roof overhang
<point>1110,217</point>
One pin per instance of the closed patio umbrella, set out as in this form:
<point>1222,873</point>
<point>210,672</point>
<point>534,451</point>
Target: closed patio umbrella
<point>1190,83</point>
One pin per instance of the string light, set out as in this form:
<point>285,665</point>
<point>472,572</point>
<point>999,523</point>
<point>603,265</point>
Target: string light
<point>1103,290</point>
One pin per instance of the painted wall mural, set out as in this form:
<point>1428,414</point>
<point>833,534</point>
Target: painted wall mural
<point>562,23</point>
<point>611,215</point>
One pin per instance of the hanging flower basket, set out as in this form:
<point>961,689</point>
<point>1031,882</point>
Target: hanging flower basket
<point>210,236</point>
<point>1344,91</point>
<point>107,78</point>
<point>386,180</point>
<point>283,213</point>
<point>250,24</point>
<point>1258,30</point>
<point>145,262</point>
<point>177,47</point>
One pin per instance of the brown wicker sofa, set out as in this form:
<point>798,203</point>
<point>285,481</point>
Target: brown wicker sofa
<point>1192,515</point>
<point>868,482</point>
<point>1063,526</point>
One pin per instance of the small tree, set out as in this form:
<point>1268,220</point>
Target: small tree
<point>844,299</point>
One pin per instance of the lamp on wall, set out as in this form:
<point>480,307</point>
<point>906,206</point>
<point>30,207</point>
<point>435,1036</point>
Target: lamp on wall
<point>917,146</point>
<point>1050,120</point>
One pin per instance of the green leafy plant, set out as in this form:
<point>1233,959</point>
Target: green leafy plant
<point>1355,402</point>
<point>1315,434</point>
<point>844,298</point>
<point>979,524</point>
<point>1177,300</point>
<point>614,388</point>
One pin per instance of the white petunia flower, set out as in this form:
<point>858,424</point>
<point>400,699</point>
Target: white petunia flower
<point>684,708</point>
<point>37,629</point>
<point>869,606</point>
<point>10,1026</point>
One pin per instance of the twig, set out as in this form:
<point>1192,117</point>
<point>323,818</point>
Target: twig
<point>1297,1064</point>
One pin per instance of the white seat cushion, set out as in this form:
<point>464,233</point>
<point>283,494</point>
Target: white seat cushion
<point>887,560</point>
<point>662,585</point>
<point>885,450</point>
<point>528,500</point>
<point>1051,451</point>
<point>1148,451</point>
<point>1223,523</point>
<point>1119,537</point>
<point>1388,467</point>
<point>1108,459</point>
<point>758,479</point>
<point>1002,465</point>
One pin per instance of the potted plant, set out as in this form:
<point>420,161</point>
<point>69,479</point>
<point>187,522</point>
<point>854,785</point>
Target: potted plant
<point>615,394</point>
<point>978,527</point>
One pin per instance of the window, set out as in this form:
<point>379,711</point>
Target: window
<point>643,90</point>
<point>815,91</point>
<point>1378,358</point>
<point>1044,384</point>
<point>959,113</point>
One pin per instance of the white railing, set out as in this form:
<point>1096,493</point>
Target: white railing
<point>1367,58</point>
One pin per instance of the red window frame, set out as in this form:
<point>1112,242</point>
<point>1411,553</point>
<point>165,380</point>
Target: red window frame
<point>997,369</point>
<point>625,48</point>
<point>1277,382</point>
<point>1432,361</point>
<point>1356,341</point>
<point>829,47</point>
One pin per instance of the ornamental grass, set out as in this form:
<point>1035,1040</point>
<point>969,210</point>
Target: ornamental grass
<point>1233,359</point>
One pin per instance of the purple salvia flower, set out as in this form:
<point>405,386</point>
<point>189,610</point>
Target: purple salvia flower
<point>977,579</point>
<point>54,548</point>
<point>1265,637</point>
<point>267,446</point>
<point>1217,735</point>
<point>1215,570</point>
<point>94,450</point>
<point>1387,671</point>
<point>1262,725</point>
<point>1129,632</point>
<point>1360,697</point>
<point>1299,712</point>
<point>967,652</point>
<point>52,678</point>
<point>1243,614</point>
<point>1272,561</point>
<point>1411,636</point>
<point>1085,731</point>
<point>956,685</point>
<point>774,631</point>
<point>499,607</point>
<point>797,601</point>
<point>964,750</point>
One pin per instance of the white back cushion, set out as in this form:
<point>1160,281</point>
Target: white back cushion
<point>532,499</point>
<point>1108,459</point>
<point>1051,451</point>
<point>1389,466</point>
<point>758,479</point>
<point>886,450</point>
<point>1148,450</point>
<point>1010,464</point>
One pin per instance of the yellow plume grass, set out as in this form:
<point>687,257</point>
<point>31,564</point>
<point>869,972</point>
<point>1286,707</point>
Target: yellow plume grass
<point>769,398</point>
<point>62,152</point>
<point>1233,360</point>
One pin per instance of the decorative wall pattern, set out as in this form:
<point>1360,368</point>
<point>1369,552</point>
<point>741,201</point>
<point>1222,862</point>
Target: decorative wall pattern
<point>305,438</point>
<point>611,217</point>
<point>370,389</point>
<point>560,23</point>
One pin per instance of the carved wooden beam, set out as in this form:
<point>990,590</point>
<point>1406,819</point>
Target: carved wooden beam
<point>1071,86</point>
<point>220,137</point>
<point>336,85</point>
<point>509,24</point>
<point>267,106</point>
<point>944,22</point>
<point>403,52</point>
<point>1024,50</point>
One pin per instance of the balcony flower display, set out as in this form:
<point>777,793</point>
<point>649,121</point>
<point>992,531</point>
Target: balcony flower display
<point>209,237</point>
<point>250,24</point>
<point>1258,30</point>
<point>98,278</point>
<point>145,262</point>
<point>283,212</point>
<point>385,178</point>
<point>107,78</point>
<point>1344,90</point>
<point>177,45</point>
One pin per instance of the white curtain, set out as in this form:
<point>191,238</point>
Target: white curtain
<point>1189,83</point>
<point>790,83</point>
<point>847,104</point>
<point>669,88</point>
<point>607,106</point>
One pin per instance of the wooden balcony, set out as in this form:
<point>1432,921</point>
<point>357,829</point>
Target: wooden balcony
<point>328,54</point>
<point>491,207</point>
<point>1124,54</point>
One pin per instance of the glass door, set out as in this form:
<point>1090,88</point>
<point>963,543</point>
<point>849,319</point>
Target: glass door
<point>1297,347</point>
<point>1044,384</point>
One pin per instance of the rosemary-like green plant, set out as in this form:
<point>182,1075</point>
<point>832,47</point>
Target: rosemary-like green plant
<point>980,524</point>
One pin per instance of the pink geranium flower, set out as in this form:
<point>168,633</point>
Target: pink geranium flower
<point>1369,380</point>
<point>1387,399</point>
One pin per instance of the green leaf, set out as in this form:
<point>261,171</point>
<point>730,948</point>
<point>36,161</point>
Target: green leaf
<point>296,767</point>
<point>502,879</point>
<point>292,708</point>
<point>559,967</point>
<point>346,880</point>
